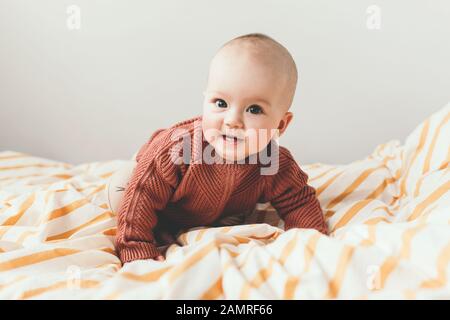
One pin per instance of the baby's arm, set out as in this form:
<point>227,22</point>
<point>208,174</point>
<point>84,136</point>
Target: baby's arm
<point>295,201</point>
<point>147,192</point>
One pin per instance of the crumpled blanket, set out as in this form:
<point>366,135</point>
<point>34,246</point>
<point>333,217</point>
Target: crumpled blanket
<point>389,214</point>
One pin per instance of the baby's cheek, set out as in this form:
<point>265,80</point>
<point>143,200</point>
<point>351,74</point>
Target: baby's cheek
<point>259,138</point>
<point>208,128</point>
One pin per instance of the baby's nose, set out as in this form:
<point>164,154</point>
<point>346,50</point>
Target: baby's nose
<point>233,121</point>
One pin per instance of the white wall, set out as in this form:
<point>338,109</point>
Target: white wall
<point>97,93</point>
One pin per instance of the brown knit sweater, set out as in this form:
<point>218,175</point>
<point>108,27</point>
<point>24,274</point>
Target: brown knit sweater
<point>188,193</point>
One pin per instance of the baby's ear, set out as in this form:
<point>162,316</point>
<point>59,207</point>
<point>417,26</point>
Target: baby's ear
<point>284,123</point>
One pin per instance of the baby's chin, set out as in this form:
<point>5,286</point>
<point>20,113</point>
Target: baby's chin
<point>231,156</point>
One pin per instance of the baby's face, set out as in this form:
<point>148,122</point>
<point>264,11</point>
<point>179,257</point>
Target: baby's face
<point>245,98</point>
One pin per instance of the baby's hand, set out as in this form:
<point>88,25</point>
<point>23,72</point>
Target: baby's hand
<point>159,258</point>
<point>164,237</point>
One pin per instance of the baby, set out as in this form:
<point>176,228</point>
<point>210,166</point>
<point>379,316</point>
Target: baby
<point>225,161</point>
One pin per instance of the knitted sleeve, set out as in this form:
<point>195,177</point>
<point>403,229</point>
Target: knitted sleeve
<point>294,200</point>
<point>152,183</point>
<point>146,145</point>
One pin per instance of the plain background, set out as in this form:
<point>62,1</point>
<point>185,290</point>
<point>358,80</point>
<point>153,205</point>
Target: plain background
<point>98,92</point>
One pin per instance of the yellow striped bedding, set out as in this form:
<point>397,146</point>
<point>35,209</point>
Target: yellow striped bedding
<point>389,214</point>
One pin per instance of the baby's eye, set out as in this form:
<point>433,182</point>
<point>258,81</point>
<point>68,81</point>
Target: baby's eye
<point>255,109</point>
<point>221,103</point>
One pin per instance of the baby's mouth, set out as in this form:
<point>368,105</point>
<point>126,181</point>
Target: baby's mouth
<point>231,139</point>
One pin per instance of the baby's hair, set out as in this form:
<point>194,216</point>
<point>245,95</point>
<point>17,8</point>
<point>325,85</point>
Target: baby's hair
<point>258,40</point>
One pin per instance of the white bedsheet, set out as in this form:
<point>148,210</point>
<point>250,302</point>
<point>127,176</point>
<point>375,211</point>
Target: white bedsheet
<point>389,214</point>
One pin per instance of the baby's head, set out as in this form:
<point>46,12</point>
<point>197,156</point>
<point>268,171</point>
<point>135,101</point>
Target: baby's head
<point>251,85</point>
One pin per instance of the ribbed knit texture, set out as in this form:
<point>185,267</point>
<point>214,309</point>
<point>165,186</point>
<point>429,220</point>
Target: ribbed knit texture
<point>173,196</point>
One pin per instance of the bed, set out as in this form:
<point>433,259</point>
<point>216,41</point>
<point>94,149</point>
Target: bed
<point>389,216</point>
